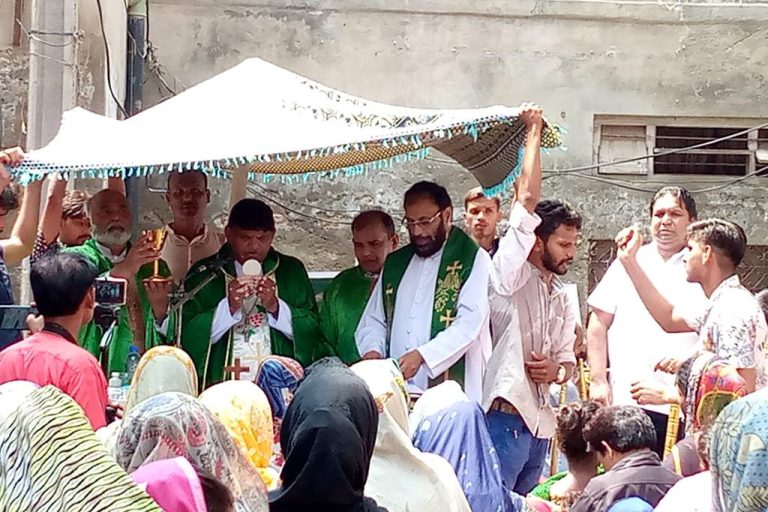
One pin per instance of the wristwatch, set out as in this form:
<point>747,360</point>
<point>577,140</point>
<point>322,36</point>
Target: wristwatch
<point>561,373</point>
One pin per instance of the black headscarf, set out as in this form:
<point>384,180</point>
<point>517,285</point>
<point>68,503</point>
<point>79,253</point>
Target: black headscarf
<point>327,437</point>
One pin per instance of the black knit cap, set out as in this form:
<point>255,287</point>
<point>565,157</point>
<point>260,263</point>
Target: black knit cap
<point>251,215</point>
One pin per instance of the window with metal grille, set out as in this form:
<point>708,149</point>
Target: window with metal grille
<point>621,138</point>
<point>727,158</point>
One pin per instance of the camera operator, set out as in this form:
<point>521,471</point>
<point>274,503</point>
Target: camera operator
<point>63,289</point>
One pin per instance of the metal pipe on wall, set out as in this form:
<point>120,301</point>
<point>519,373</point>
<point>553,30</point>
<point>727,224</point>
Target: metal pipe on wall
<point>134,91</point>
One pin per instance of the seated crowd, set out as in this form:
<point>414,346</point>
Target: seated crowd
<point>420,380</point>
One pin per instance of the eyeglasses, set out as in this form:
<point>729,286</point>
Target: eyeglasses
<point>422,223</point>
<point>182,193</point>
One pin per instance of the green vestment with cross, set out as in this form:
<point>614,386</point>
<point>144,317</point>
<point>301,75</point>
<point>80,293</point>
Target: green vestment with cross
<point>456,265</point>
<point>293,287</point>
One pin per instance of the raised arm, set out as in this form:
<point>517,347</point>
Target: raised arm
<point>528,185</point>
<point>116,184</point>
<point>629,242</point>
<point>516,244</point>
<point>50,223</point>
<point>19,245</point>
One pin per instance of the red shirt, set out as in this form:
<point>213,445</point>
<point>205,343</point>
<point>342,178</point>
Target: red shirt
<point>46,358</point>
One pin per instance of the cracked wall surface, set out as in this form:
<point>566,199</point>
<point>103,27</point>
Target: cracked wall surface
<point>577,58</point>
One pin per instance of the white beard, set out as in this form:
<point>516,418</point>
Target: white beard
<point>112,237</point>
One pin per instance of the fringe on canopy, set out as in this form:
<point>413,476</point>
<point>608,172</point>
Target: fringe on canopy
<point>420,144</point>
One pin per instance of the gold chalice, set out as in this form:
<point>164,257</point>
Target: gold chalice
<point>158,239</point>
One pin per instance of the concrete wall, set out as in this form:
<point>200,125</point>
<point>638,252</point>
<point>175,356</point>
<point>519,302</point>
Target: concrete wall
<point>14,76</point>
<point>576,58</point>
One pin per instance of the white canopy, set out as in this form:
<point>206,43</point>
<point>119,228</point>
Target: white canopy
<point>279,123</point>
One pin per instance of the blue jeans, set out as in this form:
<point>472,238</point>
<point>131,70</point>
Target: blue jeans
<point>521,454</point>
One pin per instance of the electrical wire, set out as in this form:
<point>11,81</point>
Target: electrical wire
<point>75,36</point>
<point>585,168</point>
<point>109,61</point>
<point>307,205</point>
<point>295,212</point>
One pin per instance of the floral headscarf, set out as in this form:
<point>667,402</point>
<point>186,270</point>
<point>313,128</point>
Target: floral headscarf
<point>739,455</point>
<point>244,410</point>
<point>709,384</point>
<point>161,370</point>
<point>176,425</point>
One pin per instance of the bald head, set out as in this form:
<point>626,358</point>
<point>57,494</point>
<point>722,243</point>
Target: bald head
<point>110,218</point>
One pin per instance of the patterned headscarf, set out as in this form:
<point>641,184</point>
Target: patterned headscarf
<point>176,425</point>
<point>709,384</point>
<point>50,460</point>
<point>739,455</point>
<point>244,410</point>
<point>277,376</point>
<point>161,370</point>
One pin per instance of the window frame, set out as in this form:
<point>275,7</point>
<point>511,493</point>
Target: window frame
<point>652,122</point>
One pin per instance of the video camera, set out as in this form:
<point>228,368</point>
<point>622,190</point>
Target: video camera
<point>110,297</point>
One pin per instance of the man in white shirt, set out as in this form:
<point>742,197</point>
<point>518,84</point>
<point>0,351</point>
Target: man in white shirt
<point>189,238</point>
<point>732,325</point>
<point>429,307</point>
<point>532,320</point>
<point>623,332</point>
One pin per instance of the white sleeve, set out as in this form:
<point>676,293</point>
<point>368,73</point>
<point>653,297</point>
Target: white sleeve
<point>284,320</point>
<point>514,247</point>
<point>223,320</point>
<point>563,348</point>
<point>611,289</point>
<point>371,333</point>
<point>162,327</point>
<point>472,311</point>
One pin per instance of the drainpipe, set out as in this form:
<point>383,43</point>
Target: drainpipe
<point>134,95</point>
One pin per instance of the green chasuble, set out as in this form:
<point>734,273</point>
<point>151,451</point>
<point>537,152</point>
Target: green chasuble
<point>293,287</point>
<point>343,304</point>
<point>456,265</point>
<point>123,336</point>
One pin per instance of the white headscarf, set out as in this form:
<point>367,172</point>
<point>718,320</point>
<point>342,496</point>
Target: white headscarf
<point>12,394</point>
<point>423,481</point>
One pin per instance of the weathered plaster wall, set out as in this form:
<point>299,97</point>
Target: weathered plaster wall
<point>576,58</point>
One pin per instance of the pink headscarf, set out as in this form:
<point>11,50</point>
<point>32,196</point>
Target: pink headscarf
<point>173,484</point>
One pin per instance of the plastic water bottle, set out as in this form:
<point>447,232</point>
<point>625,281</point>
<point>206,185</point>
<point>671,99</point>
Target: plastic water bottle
<point>131,362</point>
<point>115,389</point>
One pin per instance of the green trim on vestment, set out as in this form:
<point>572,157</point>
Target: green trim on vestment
<point>344,301</point>
<point>293,287</point>
<point>456,264</point>
<point>123,337</point>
